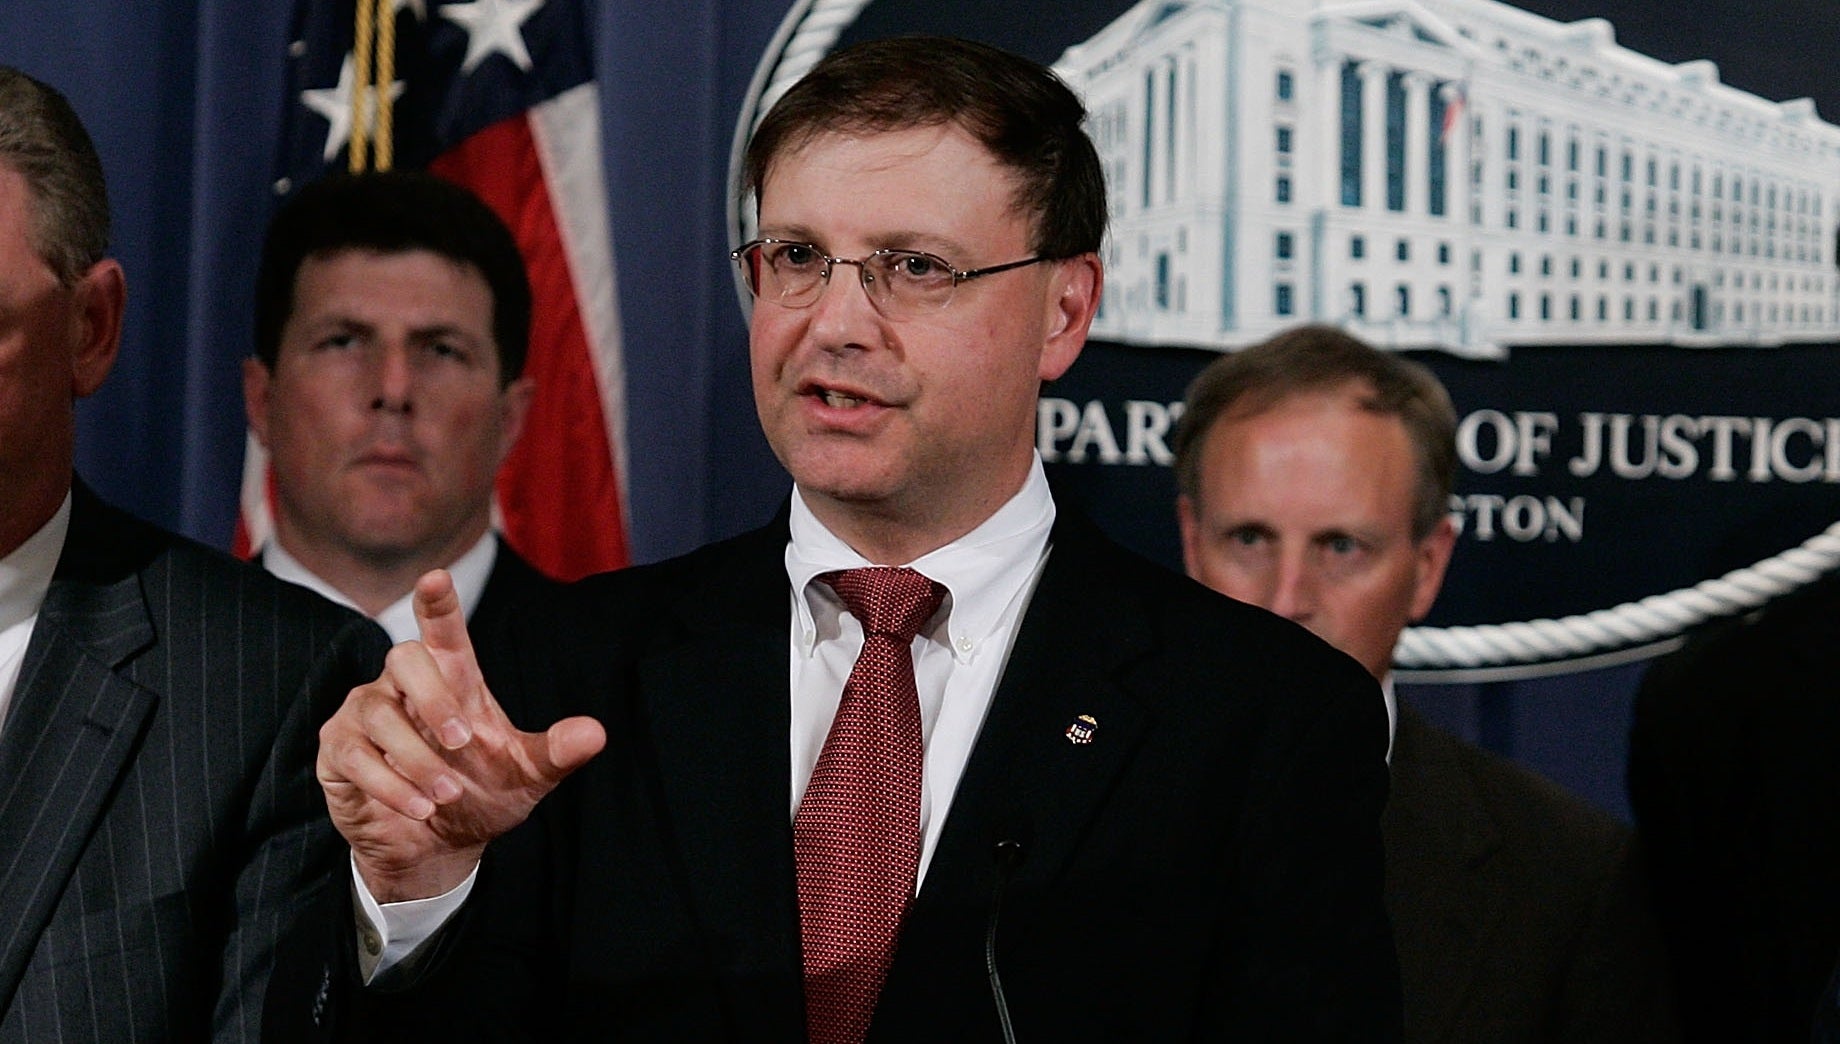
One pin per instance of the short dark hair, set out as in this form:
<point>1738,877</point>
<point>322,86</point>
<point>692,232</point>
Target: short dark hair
<point>43,140</point>
<point>393,212</point>
<point>1318,358</point>
<point>1023,113</point>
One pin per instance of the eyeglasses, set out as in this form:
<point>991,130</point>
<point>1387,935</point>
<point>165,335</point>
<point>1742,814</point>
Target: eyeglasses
<point>901,284</point>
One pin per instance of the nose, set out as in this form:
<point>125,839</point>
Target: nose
<point>1294,592</point>
<point>392,371</point>
<point>843,315</point>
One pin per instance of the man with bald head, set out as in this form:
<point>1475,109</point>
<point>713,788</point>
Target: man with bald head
<point>1315,475</point>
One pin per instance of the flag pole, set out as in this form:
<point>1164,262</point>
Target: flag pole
<point>383,104</point>
<point>362,89</point>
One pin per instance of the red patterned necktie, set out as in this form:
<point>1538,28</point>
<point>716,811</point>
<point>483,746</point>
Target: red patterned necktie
<point>856,836</point>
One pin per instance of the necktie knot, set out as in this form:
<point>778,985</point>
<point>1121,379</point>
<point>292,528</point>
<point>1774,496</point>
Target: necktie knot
<point>887,601</point>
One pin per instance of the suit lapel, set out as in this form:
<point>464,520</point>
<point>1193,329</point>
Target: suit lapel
<point>1027,781</point>
<point>1440,839</point>
<point>1062,724</point>
<point>719,710</point>
<point>73,727</point>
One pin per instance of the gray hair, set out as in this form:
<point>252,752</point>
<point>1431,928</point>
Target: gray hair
<point>42,139</point>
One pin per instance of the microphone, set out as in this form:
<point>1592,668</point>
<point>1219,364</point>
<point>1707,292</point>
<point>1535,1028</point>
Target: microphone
<point>1008,854</point>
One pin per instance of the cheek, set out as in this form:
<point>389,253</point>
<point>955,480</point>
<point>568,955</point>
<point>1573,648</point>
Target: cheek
<point>1223,572</point>
<point>1369,608</point>
<point>772,331</point>
<point>474,425</point>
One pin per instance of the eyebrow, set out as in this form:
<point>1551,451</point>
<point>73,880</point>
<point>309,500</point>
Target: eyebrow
<point>339,321</point>
<point>928,242</point>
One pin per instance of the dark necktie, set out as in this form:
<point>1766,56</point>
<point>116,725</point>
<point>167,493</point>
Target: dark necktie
<point>857,832</point>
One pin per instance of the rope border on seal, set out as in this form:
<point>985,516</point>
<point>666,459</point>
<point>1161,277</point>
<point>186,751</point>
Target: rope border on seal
<point>807,33</point>
<point>1643,622</point>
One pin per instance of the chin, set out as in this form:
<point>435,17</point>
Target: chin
<point>836,476</point>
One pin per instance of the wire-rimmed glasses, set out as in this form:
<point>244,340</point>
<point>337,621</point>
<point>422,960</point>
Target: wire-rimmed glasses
<point>901,284</point>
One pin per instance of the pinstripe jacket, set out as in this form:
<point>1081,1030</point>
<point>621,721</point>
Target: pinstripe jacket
<point>159,819</point>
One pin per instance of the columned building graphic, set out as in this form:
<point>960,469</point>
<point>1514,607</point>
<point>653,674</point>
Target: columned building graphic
<point>1447,173</point>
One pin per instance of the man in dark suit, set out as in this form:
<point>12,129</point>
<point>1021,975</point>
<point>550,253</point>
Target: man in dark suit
<point>1733,778</point>
<point>1315,473</point>
<point>1106,805</point>
<point>159,821</point>
<point>392,322</point>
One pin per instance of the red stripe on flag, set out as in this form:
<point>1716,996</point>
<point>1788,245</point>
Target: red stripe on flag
<point>558,490</point>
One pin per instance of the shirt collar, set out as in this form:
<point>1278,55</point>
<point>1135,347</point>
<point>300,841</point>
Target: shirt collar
<point>25,573</point>
<point>470,572</point>
<point>983,572</point>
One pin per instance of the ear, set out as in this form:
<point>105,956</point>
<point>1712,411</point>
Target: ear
<point>258,384</point>
<point>1189,521</point>
<point>514,407</point>
<point>1073,301</point>
<point>1433,555</point>
<point>101,297</point>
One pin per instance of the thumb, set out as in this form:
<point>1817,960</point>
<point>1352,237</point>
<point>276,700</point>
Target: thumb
<point>568,745</point>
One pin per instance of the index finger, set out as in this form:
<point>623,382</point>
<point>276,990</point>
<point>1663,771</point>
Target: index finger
<point>442,622</point>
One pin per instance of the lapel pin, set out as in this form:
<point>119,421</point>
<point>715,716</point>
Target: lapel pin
<point>1081,731</point>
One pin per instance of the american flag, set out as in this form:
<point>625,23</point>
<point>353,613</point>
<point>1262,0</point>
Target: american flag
<point>498,95</point>
<point>1456,100</point>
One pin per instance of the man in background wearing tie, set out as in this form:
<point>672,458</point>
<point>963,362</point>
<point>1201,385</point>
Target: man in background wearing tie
<point>927,758</point>
<point>158,815</point>
<point>1315,475</point>
<point>392,319</point>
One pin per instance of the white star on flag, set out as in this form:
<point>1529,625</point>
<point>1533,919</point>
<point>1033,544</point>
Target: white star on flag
<point>334,103</point>
<point>493,26</point>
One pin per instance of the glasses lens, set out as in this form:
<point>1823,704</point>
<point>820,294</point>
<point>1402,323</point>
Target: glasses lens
<point>786,273</point>
<point>909,281</point>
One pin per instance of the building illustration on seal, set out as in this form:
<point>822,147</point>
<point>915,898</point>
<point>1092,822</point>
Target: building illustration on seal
<point>1457,174</point>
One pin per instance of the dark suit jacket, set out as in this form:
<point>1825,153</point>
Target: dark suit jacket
<point>1734,775</point>
<point>513,585</point>
<point>1208,867</point>
<point>1517,907</point>
<point>158,814</point>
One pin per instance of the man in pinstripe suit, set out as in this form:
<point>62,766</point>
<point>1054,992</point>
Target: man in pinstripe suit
<point>159,824</point>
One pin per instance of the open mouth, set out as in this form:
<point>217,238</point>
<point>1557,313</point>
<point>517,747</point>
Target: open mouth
<point>839,400</point>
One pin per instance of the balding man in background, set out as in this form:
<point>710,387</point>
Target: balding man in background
<point>1315,474</point>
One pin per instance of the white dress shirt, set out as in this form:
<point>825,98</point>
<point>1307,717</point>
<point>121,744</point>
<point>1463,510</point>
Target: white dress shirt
<point>470,572</point>
<point>989,574</point>
<point>25,578</point>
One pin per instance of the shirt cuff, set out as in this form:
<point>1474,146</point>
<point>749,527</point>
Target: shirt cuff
<point>390,933</point>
